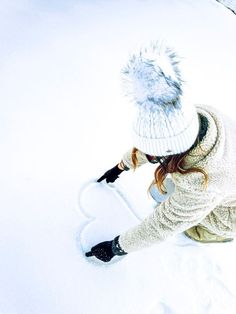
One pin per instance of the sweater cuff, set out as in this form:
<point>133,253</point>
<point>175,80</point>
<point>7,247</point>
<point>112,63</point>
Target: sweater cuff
<point>123,165</point>
<point>116,248</point>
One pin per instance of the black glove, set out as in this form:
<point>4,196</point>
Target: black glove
<point>105,251</point>
<point>111,175</point>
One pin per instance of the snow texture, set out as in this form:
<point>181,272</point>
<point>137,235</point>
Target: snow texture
<point>64,121</point>
<point>230,4</point>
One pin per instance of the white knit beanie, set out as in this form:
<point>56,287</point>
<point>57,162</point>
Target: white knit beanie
<point>165,124</point>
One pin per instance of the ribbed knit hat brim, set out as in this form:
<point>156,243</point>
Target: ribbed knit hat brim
<point>172,145</point>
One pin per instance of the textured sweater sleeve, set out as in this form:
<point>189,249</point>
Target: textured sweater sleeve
<point>186,207</point>
<point>127,159</point>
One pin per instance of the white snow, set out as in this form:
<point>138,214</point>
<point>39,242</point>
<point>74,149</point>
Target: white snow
<point>64,121</point>
<point>231,4</point>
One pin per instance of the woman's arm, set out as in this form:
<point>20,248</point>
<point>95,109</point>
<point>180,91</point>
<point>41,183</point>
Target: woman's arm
<point>127,159</point>
<point>186,207</point>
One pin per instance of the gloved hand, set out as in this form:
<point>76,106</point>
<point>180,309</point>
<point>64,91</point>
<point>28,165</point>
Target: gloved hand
<point>111,175</point>
<point>105,251</point>
<point>102,251</point>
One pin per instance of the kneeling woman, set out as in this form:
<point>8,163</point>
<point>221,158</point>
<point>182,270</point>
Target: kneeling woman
<point>193,145</point>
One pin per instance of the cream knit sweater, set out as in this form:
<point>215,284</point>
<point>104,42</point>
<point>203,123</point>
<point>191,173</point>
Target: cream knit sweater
<point>191,203</point>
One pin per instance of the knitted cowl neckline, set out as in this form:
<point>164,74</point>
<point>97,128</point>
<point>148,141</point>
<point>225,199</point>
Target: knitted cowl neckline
<point>208,136</point>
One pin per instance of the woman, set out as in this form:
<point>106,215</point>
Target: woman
<point>195,145</point>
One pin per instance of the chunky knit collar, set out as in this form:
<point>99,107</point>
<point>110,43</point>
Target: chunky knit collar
<point>205,149</point>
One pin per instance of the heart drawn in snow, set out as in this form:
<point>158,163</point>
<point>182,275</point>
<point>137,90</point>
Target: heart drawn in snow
<point>108,213</point>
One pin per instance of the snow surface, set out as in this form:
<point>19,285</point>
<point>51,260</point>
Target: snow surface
<point>231,4</point>
<point>64,121</point>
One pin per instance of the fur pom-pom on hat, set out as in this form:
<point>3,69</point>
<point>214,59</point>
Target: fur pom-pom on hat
<point>152,77</point>
<point>165,124</point>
